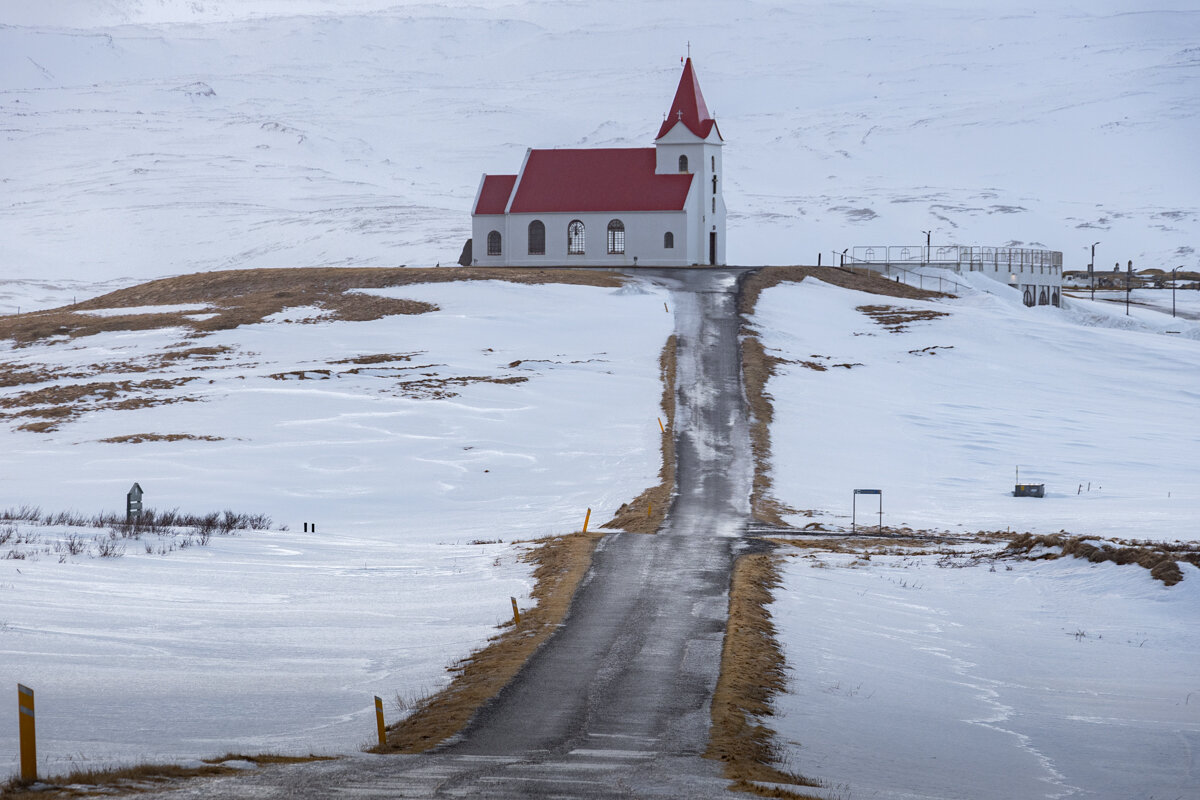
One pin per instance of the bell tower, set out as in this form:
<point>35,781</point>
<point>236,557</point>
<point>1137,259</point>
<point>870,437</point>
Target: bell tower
<point>690,142</point>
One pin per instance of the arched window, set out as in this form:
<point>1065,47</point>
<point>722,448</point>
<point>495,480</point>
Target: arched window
<point>494,243</point>
<point>537,238</point>
<point>616,237</point>
<point>714,158</point>
<point>683,163</point>
<point>575,238</point>
<point>668,241</point>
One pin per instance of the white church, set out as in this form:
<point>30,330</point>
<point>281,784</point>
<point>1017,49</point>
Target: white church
<point>658,206</point>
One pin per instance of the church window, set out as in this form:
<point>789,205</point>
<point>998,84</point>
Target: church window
<point>494,243</point>
<point>575,238</point>
<point>616,237</point>
<point>683,164</point>
<point>714,184</point>
<point>537,238</point>
<point>714,158</point>
<point>714,205</point>
<point>668,241</point>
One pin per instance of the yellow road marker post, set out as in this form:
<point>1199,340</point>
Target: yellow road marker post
<point>27,733</point>
<point>650,509</point>
<point>660,425</point>
<point>516,613</point>
<point>379,721</point>
<point>585,520</point>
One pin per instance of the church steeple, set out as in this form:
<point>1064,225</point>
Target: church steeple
<point>688,107</point>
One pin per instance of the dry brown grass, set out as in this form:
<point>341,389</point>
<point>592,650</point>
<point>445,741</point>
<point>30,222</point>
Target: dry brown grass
<point>561,561</point>
<point>139,438</point>
<point>1161,558</point>
<point>752,672</point>
<point>51,406</point>
<point>897,319</point>
<point>757,368</point>
<point>646,512</point>
<point>135,779</point>
<point>241,297</point>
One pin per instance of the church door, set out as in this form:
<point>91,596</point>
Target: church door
<point>712,249</point>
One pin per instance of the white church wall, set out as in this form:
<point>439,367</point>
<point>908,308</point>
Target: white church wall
<point>644,238</point>
<point>481,225</point>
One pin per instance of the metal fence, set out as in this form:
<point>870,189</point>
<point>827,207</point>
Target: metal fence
<point>908,277</point>
<point>957,258</point>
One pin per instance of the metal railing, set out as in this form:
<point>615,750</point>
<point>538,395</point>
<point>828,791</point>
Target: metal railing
<point>973,259</point>
<point>905,276</point>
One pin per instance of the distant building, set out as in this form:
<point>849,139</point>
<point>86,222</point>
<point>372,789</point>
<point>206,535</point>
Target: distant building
<point>648,206</point>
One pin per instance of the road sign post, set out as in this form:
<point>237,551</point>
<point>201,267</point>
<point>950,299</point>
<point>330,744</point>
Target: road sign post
<point>380,729</point>
<point>854,508</point>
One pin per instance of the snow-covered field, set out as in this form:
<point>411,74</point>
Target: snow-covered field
<point>143,139</point>
<point>277,640</point>
<point>941,414</point>
<point>925,676</point>
<point>1060,679</point>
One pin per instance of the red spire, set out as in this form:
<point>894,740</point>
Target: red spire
<point>688,106</point>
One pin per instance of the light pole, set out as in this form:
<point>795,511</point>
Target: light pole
<point>1091,270</point>
<point>927,235</point>
<point>844,257</point>
<point>1173,279</point>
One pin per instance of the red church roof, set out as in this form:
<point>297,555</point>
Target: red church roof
<point>596,180</point>
<point>493,197</point>
<point>688,107</point>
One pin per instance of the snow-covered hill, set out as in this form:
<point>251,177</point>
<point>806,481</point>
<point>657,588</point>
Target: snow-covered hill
<point>147,138</point>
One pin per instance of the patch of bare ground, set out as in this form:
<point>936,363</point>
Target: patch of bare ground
<point>51,406</point>
<point>242,297</point>
<point>646,512</point>
<point>1161,558</point>
<point>138,438</point>
<point>136,779</point>
<point>561,561</point>
<point>897,319</point>
<point>752,672</point>
<point>378,358</point>
<point>425,388</point>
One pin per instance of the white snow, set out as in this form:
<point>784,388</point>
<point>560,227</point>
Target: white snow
<point>928,676</point>
<point>278,640</point>
<point>1049,680</point>
<point>136,310</point>
<point>1075,397</point>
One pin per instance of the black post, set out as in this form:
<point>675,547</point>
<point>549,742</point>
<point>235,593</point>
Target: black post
<point>928,234</point>
<point>1173,281</point>
<point>818,258</point>
<point>1128,284</point>
<point>1091,270</point>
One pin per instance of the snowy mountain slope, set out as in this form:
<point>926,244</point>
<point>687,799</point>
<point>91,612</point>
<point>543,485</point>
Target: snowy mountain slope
<point>151,138</point>
<point>390,435</point>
